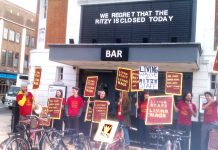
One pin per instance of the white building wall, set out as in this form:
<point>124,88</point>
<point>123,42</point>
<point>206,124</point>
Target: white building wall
<point>205,29</point>
<point>1,33</point>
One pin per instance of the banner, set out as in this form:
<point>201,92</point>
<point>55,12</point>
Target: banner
<point>55,107</point>
<point>215,66</point>
<point>123,79</point>
<point>106,131</point>
<point>148,77</point>
<point>37,77</point>
<point>135,81</point>
<point>159,110</point>
<point>100,111</point>
<point>90,88</point>
<point>173,83</point>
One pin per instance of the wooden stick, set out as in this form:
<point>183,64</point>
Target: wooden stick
<point>137,102</point>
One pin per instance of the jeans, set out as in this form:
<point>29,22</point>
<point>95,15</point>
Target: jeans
<point>185,142</point>
<point>125,132</point>
<point>73,123</point>
<point>143,133</point>
<point>205,129</point>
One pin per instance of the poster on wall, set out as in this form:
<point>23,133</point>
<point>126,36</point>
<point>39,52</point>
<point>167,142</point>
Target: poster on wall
<point>159,110</point>
<point>90,87</point>
<point>123,79</point>
<point>37,77</point>
<point>173,83</point>
<point>52,89</point>
<point>100,111</point>
<point>135,81</point>
<point>148,77</point>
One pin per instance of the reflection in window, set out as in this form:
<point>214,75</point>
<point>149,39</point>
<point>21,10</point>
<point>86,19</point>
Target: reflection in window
<point>17,38</point>
<point>5,36</point>
<point>3,57</point>
<point>27,40</point>
<point>59,74</point>
<point>10,59</point>
<point>11,35</point>
<point>16,60</point>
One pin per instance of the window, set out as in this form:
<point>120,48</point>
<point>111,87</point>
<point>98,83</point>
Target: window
<point>17,38</point>
<point>26,62</point>
<point>3,58</point>
<point>213,82</point>
<point>59,74</point>
<point>16,60</point>
<point>27,40</point>
<point>10,59</point>
<point>32,42</point>
<point>11,35</point>
<point>5,36</point>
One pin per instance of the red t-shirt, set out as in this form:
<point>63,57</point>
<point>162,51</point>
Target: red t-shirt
<point>74,105</point>
<point>142,109</point>
<point>185,114</point>
<point>26,109</point>
<point>210,113</point>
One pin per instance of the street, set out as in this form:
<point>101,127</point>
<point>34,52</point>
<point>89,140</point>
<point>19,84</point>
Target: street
<point>5,121</point>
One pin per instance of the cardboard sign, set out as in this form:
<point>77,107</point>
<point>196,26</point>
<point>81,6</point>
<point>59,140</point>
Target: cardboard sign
<point>44,121</point>
<point>44,112</point>
<point>37,78</point>
<point>215,65</point>
<point>90,88</point>
<point>55,107</point>
<point>159,110</point>
<point>135,81</point>
<point>100,111</point>
<point>213,138</point>
<point>106,131</point>
<point>148,77</point>
<point>88,115</point>
<point>123,79</point>
<point>173,83</point>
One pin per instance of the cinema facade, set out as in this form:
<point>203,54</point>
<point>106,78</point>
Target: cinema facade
<point>170,34</point>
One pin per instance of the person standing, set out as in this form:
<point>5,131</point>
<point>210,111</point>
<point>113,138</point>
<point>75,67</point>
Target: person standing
<point>123,115</point>
<point>25,101</point>
<point>143,129</point>
<point>210,118</point>
<point>75,105</point>
<point>186,109</point>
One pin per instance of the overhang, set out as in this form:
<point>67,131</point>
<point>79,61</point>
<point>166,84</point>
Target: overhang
<point>180,57</point>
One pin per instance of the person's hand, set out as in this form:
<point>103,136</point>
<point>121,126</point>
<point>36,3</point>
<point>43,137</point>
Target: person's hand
<point>108,103</point>
<point>190,106</point>
<point>136,105</point>
<point>119,113</point>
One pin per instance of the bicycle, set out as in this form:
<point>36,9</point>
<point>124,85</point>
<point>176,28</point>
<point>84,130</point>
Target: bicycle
<point>37,138</point>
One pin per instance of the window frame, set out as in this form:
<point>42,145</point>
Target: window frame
<point>17,40</point>
<point>5,35</point>
<point>11,37</point>
<point>5,57</point>
<point>10,64</point>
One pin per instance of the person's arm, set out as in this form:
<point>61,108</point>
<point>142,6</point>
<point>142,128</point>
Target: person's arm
<point>193,110</point>
<point>21,98</point>
<point>206,105</point>
<point>175,107</point>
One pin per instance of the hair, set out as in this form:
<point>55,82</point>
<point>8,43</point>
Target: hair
<point>208,93</point>
<point>186,93</point>
<point>60,92</point>
<point>125,96</point>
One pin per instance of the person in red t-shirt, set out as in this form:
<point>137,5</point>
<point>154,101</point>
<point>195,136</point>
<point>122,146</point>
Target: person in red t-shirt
<point>25,101</point>
<point>210,118</point>
<point>143,129</point>
<point>186,110</point>
<point>75,105</point>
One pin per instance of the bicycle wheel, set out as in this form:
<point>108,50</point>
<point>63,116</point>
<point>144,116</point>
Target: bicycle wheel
<point>15,143</point>
<point>52,140</point>
<point>83,144</point>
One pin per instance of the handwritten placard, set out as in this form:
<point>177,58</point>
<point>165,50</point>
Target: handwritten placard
<point>173,83</point>
<point>159,110</point>
<point>44,121</point>
<point>123,79</point>
<point>55,107</point>
<point>135,81</point>
<point>148,77</point>
<point>90,88</point>
<point>100,111</point>
<point>37,78</point>
<point>88,115</point>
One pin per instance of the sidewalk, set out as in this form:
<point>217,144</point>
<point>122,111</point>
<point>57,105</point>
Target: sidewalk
<point>5,123</point>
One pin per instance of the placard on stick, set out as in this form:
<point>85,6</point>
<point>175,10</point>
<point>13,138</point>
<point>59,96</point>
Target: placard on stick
<point>173,83</point>
<point>123,79</point>
<point>90,88</point>
<point>135,81</point>
<point>55,107</point>
<point>37,77</point>
<point>44,121</point>
<point>159,110</point>
<point>100,111</point>
<point>88,115</point>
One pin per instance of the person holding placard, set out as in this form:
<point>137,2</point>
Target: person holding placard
<point>186,109</point>
<point>210,118</point>
<point>75,104</point>
<point>123,115</point>
<point>143,129</point>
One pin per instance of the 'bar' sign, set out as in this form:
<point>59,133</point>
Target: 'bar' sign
<point>114,54</point>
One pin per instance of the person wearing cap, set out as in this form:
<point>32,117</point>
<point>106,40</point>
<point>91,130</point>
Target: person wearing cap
<point>25,101</point>
<point>75,104</point>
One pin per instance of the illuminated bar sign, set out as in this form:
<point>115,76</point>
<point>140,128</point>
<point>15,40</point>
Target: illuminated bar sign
<point>173,83</point>
<point>114,54</point>
<point>159,110</point>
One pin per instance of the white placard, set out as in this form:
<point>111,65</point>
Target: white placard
<point>148,77</point>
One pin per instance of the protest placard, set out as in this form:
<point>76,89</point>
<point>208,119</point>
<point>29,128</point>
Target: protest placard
<point>90,87</point>
<point>100,111</point>
<point>135,81</point>
<point>173,83</point>
<point>123,79</point>
<point>55,107</point>
<point>37,77</point>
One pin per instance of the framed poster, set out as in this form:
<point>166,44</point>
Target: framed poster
<point>123,79</point>
<point>53,88</point>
